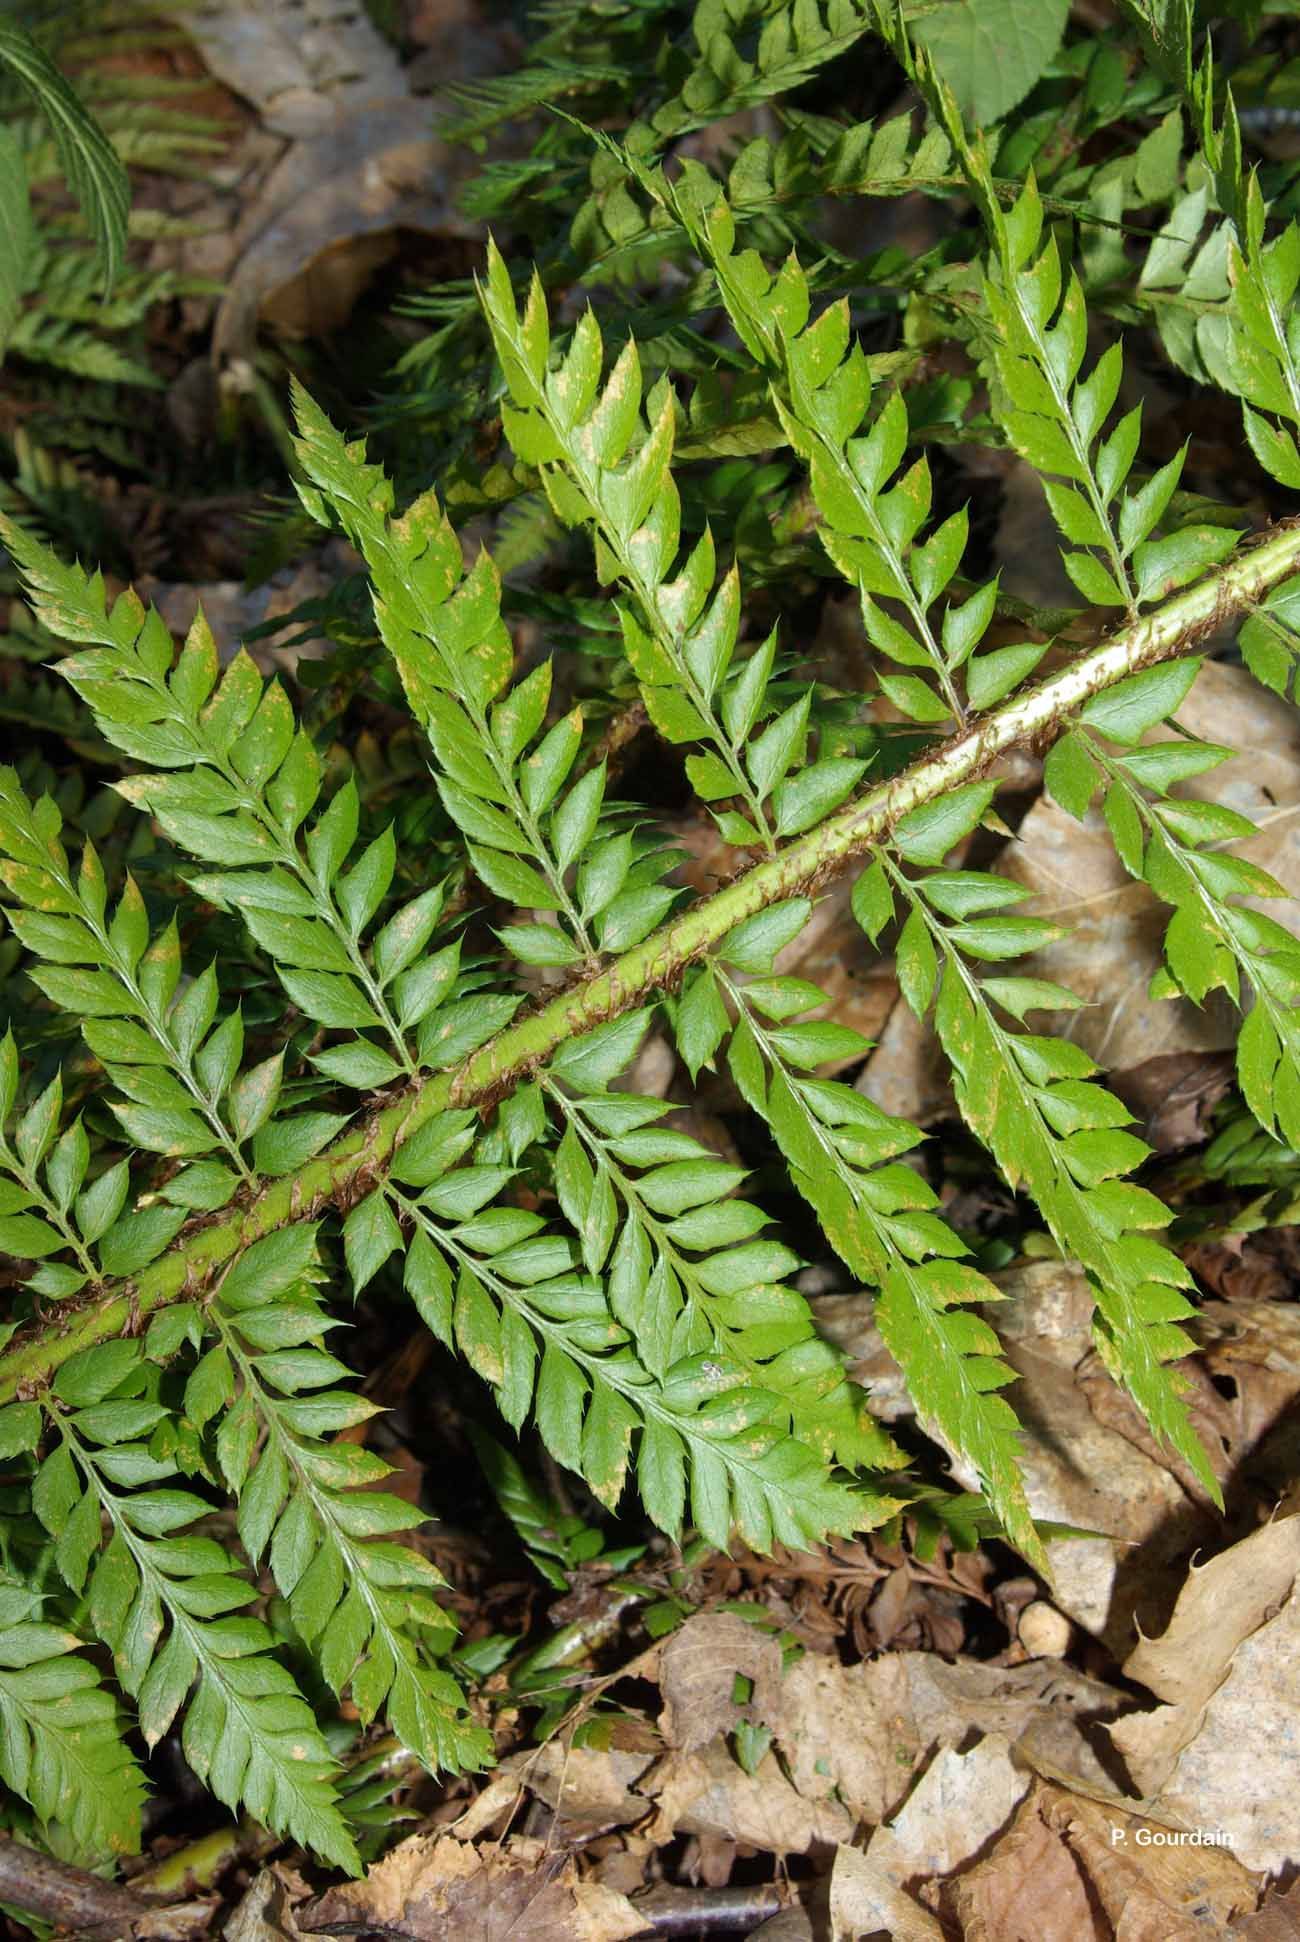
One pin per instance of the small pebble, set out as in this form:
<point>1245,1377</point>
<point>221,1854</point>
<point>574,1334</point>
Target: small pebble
<point>1045,1633</point>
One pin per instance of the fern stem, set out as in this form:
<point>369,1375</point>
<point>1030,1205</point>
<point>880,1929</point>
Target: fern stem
<point>69,1897</point>
<point>633,978</point>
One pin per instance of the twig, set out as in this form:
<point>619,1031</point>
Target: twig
<point>707,1911</point>
<point>88,1908</point>
<point>66,1896</point>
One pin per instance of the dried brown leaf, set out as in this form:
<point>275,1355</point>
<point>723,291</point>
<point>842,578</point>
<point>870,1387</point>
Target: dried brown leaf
<point>584,1786</point>
<point>265,1911</point>
<point>1030,1888</point>
<point>1222,1753</point>
<point>1083,1466</point>
<point>492,1803</point>
<point>861,1733</point>
<point>866,1902</point>
<point>1078,881</point>
<point>1259,1265</point>
<point>1047,1711</point>
<point>320,226</point>
<point>849,1732</point>
<point>293,58</point>
<point>434,1888</point>
<point>960,1804</point>
<point>1075,1869</point>
<point>849,1322</point>
<point>1152,1882</point>
<point>1115,924</point>
<point>709,1794</point>
<point>1250,1350</point>
<point>697,1675</point>
<point>907,1074</point>
<point>1276,1920</point>
<point>1173,1096</point>
<point>1224,1603</point>
<point>361,162</point>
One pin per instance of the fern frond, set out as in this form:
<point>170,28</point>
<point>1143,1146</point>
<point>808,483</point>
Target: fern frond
<point>549,1343</point>
<point>163,1602</point>
<point>89,162</point>
<point>46,1169</point>
<point>878,1215</point>
<point>175,1066</point>
<point>1183,278</point>
<point>63,346</point>
<point>1053,415</point>
<point>688,1271</point>
<point>254,778</point>
<point>535,838</point>
<point>792,43</point>
<point>603,1271</point>
<point>485,104</point>
<point>821,390</point>
<point>1249,345</point>
<point>681,640</point>
<point>308,1503</point>
<point>1270,640</point>
<point>1051,1131</point>
<point>1214,940</point>
<point>30,700</point>
<point>711,1397</point>
<point>489,1064</point>
<point>61,1744</point>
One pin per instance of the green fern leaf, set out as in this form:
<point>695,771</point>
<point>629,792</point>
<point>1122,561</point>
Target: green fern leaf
<point>61,1744</point>
<point>93,169</point>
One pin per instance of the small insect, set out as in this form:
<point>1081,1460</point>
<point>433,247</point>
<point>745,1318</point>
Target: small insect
<point>713,1370</point>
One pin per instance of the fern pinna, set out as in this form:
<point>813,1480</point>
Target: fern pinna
<point>440,1101</point>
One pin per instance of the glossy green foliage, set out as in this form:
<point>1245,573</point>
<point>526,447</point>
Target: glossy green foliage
<point>528,809</point>
<point>168,1603</point>
<point>61,1744</point>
